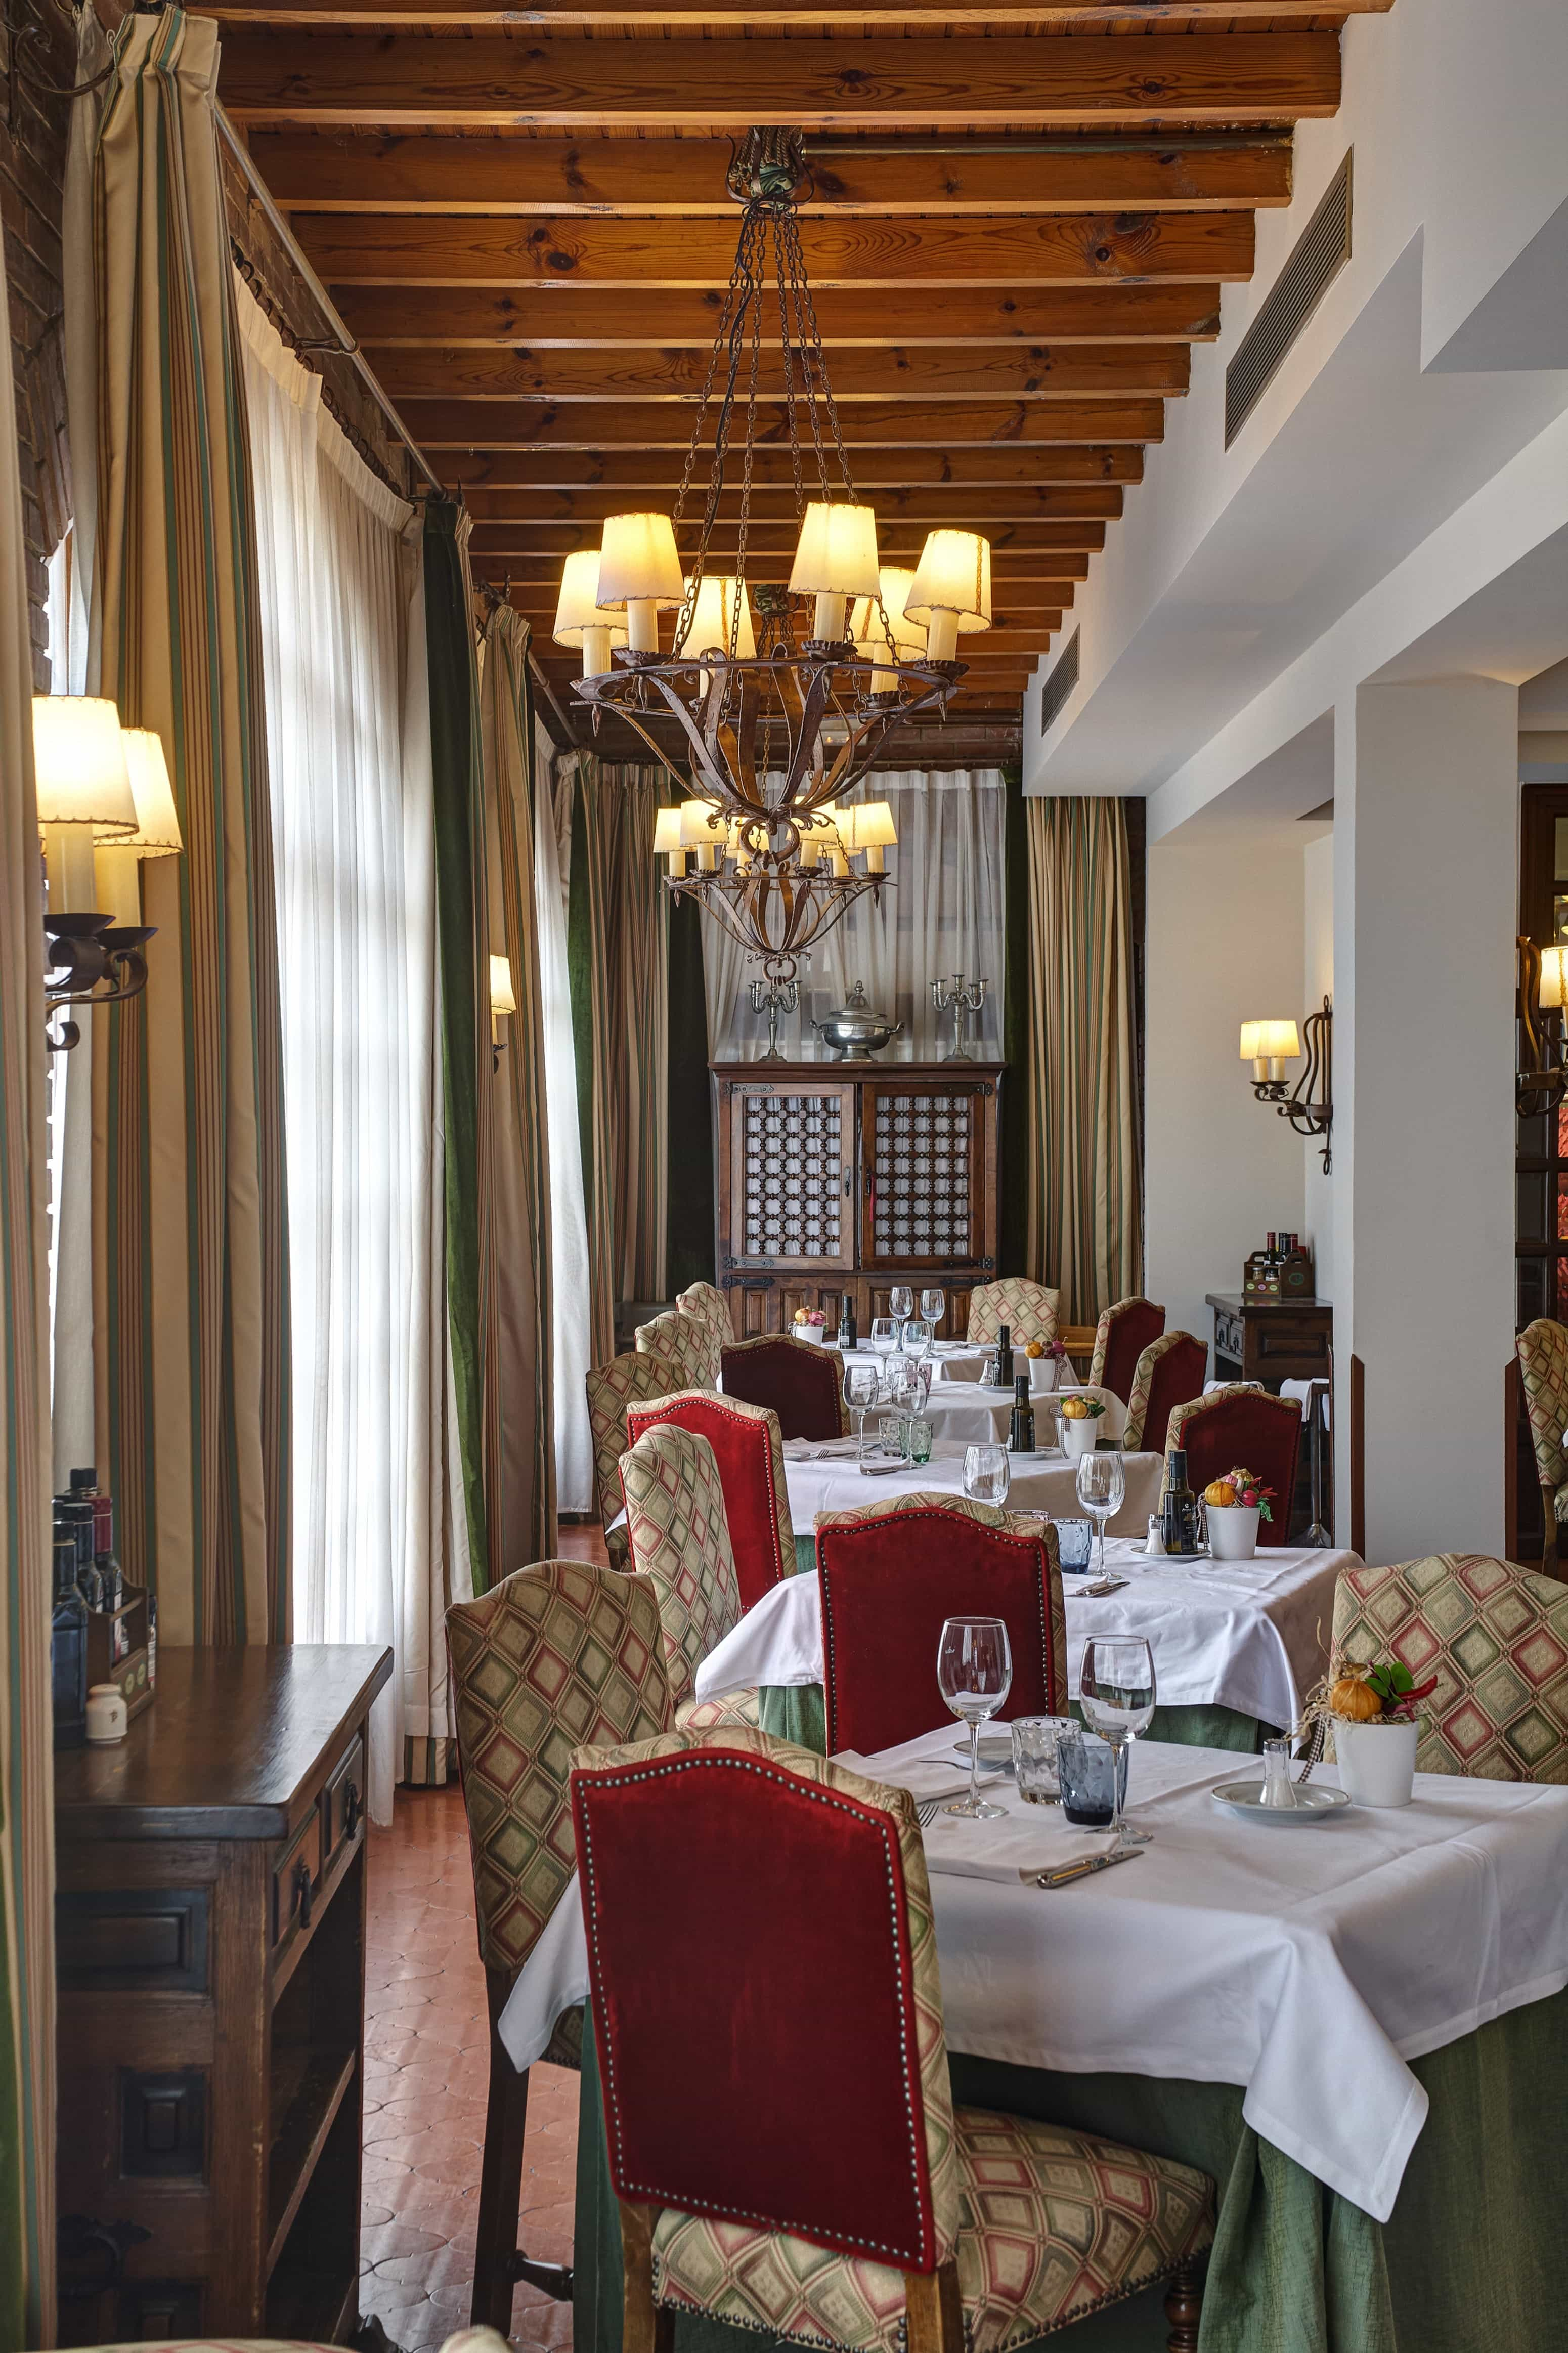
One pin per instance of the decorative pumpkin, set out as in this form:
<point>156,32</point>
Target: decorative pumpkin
<point>1220,1492</point>
<point>1074,1410</point>
<point>1356,1700</point>
<point>1036,1348</point>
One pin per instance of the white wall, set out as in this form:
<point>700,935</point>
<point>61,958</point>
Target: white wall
<point>1224,946</point>
<point>1318,982</point>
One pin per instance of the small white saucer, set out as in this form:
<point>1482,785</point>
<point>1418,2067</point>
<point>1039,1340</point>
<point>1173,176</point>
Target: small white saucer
<point>1312,1805</point>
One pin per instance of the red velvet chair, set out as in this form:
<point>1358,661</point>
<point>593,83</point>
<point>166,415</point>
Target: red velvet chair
<point>1120,1337</point>
<point>781,2135</point>
<point>748,1451</point>
<point>1169,1373</point>
<point>890,1574</point>
<point>1243,1427</point>
<point>801,1381</point>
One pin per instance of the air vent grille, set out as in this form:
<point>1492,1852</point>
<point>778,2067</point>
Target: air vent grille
<point>1059,685</point>
<point>1322,251</point>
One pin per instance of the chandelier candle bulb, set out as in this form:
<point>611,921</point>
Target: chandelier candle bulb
<point>667,842</point>
<point>903,640</point>
<point>697,833</point>
<point>713,617</point>
<point>835,560</point>
<point>639,572</point>
<point>581,620</point>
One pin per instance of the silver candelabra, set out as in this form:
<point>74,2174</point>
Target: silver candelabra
<point>961,999</point>
<point>784,997</point>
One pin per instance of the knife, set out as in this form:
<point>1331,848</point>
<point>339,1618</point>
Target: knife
<point>1084,1870</point>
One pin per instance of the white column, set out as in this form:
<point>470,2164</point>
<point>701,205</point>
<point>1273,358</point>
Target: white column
<point>1426,890</point>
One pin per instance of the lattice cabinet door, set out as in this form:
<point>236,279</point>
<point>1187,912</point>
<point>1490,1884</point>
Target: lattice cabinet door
<point>791,1175</point>
<point>928,1152</point>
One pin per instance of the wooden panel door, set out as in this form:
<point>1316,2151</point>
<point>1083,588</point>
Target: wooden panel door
<point>791,1175</point>
<point>925,1153</point>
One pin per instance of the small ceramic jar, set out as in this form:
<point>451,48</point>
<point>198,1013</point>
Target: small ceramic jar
<point>106,1716</point>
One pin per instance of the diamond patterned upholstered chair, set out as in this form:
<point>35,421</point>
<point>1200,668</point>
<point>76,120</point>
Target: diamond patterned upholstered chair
<point>679,1540</point>
<point>1495,1636</point>
<point>889,1573</point>
<point>709,1304</point>
<point>686,1344</point>
<point>1028,1309</point>
<point>1242,1425</point>
<point>800,1380</point>
<point>1169,1373</point>
<point>986,2231</point>
<point>750,1454</point>
<point>551,1657</point>
<point>1543,1368</point>
<point>1120,1337</point>
<point>625,1380</point>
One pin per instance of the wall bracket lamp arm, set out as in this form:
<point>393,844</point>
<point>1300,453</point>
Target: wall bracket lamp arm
<point>1309,1105</point>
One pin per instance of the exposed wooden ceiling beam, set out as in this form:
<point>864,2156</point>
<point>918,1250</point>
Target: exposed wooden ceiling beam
<point>1080,515</point>
<point>494,15</point>
<point>1089,471</point>
<point>899,425</point>
<point>384,172</point>
<point>569,83</point>
<point>1010,250</point>
<point>537,604</point>
<point>773,545</point>
<point>557,318</point>
<point>1051,576</point>
<point>983,371</point>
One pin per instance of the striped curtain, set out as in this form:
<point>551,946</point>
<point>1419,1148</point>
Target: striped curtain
<point>26,1839</point>
<point>1084,1192</point>
<point>190,1253</point>
<point>515,1223</point>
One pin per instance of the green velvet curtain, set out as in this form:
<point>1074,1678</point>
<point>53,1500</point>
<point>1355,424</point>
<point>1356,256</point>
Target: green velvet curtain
<point>1013,1237</point>
<point>689,1247</point>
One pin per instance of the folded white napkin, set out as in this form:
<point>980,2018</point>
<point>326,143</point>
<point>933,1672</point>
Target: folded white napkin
<point>814,1450</point>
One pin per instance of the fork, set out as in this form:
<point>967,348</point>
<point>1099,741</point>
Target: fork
<point>927,1811</point>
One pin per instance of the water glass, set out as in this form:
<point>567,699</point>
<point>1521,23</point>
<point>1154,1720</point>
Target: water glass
<point>861,1389</point>
<point>1034,1757</point>
<point>899,1380</point>
<point>1092,1777</point>
<point>933,1306</point>
<point>1075,1541</point>
<point>918,1449</point>
<point>922,1373</point>
<point>974,1675</point>
<point>890,1429</point>
<point>986,1474</point>
<point>1101,1484</point>
<point>1116,1696</point>
<point>918,1338</point>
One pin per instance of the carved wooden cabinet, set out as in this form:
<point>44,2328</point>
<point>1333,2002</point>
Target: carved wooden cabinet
<point>853,1177</point>
<point>210,1957</point>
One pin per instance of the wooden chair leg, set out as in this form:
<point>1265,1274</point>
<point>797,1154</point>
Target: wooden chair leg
<point>934,2311</point>
<point>643,2327</point>
<point>498,2263</point>
<point>1550,1564</point>
<point>1184,2306</point>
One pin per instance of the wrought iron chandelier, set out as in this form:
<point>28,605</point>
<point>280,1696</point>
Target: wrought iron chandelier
<point>776,729</point>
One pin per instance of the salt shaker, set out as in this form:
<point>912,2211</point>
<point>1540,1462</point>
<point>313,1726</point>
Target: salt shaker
<point>1155,1541</point>
<point>1278,1789</point>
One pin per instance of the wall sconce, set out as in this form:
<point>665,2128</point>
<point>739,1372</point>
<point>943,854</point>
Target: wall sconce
<point>1542,988</point>
<point>503,1002</point>
<point>1309,1105</point>
<point>87,798</point>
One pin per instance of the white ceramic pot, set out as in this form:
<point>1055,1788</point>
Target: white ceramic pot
<point>1233,1530</point>
<point>1079,1438</point>
<point>1376,1761</point>
<point>1043,1372</point>
<point>815,1333</point>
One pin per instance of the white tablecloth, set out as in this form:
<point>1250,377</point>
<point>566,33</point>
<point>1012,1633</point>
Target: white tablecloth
<point>1251,1635</point>
<point>1307,1966</point>
<point>969,1415</point>
<point>1041,1482</point>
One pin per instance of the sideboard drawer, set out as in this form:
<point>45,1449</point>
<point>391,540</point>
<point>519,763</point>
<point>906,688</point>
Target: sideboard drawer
<point>342,1803</point>
<point>294,1880</point>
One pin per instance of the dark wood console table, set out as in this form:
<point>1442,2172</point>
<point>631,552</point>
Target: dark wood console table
<point>210,1927</point>
<point>1283,1340</point>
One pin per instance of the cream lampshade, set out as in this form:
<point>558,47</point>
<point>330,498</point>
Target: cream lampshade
<point>952,589</point>
<point>908,639</point>
<point>1268,1045</point>
<point>1551,995</point>
<point>580,619</point>
<point>639,572</point>
<point>713,613</point>
<point>699,834</point>
<point>667,841</point>
<point>83,787</point>
<point>502,998</point>
<point>869,826</point>
<point>835,559</point>
<point>157,833</point>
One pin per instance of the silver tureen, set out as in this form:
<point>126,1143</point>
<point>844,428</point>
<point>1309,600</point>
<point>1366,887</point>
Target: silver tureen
<point>855,1032</point>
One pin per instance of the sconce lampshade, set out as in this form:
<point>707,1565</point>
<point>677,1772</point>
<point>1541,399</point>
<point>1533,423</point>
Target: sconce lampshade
<point>638,563</point>
<point>1551,998</point>
<point>1269,1041</point>
<point>577,609</point>
<point>78,758</point>
<point>713,615</point>
<point>837,552</point>
<point>954,577</point>
<point>502,999</point>
<point>157,833</point>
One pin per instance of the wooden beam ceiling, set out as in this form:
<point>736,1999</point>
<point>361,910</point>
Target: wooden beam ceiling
<point>1018,223</point>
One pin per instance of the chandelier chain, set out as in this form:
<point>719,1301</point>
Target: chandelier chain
<point>790,227</point>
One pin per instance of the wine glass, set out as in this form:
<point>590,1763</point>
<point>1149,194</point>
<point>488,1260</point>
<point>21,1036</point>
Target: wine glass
<point>933,1306</point>
<point>1116,1696</point>
<point>862,1384</point>
<point>884,1336</point>
<point>902,1306</point>
<point>1101,1484</point>
<point>900,1377</point>
<point>917,1338</point>
<point>975,1674</point>
<point>986,1474</point>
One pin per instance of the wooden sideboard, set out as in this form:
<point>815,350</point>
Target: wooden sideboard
<point>837,1177</point>
<point>1273,1341</point>
<point>210,1954</point>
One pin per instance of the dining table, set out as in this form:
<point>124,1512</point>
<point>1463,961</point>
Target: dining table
<point>1356,2028</point>
<point>1238,1644</point>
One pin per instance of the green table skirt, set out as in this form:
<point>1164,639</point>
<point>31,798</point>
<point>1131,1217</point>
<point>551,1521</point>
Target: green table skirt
<point>794,1712</point>
<point>1474,2258</point>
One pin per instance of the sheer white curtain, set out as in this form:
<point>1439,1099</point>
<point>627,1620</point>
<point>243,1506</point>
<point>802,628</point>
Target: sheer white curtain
<point>568,1216</point>
<point>348,743</point>
<point>945,914</point>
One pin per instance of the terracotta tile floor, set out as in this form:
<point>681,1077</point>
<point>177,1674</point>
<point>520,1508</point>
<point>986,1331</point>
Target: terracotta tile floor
<point>426,2040</point>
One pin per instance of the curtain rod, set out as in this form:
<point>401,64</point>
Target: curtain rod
<point>347,347</point>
